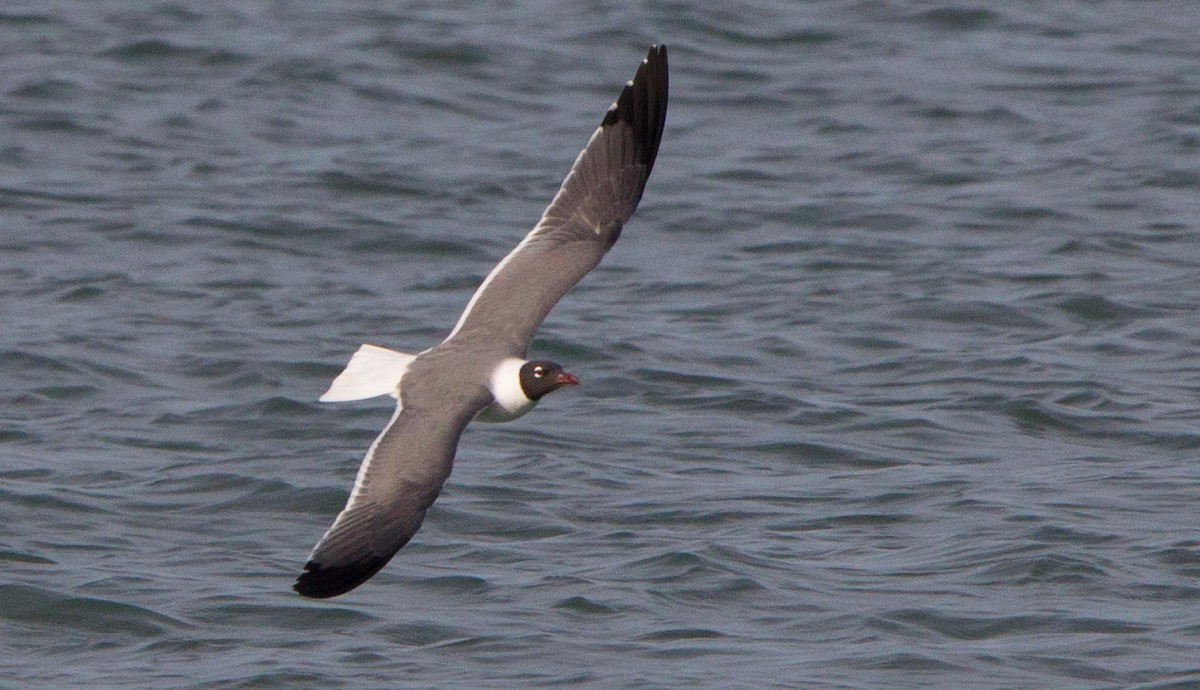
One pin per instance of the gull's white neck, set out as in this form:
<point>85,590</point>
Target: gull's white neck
<point>505,385</point>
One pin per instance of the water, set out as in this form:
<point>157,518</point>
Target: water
<point>891,382</point>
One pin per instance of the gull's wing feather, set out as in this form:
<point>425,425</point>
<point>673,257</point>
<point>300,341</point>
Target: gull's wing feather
<point>585,218</point>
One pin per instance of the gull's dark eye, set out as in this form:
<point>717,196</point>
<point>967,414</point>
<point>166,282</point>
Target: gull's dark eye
<point>537,372</point>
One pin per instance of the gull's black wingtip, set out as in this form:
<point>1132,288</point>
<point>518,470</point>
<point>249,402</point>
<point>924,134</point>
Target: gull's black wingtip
<point>643,104</point>
<point>323,582</point>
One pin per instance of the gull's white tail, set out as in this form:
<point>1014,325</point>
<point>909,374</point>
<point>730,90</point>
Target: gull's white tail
<point>372,371</point>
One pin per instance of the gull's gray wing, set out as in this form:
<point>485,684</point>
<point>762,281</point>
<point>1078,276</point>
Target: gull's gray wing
<point>585,218</point>
<point>399,479</point>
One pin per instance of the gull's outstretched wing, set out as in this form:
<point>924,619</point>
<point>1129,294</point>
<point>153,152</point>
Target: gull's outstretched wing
<point>399,479</point>
<point>585,218</point>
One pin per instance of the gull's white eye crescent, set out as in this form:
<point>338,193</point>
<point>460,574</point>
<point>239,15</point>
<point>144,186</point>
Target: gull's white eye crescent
<point>537,372</point>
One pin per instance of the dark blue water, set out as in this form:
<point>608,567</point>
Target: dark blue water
<point>892,381</point>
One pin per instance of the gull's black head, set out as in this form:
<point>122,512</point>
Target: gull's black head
<point>541,376</point>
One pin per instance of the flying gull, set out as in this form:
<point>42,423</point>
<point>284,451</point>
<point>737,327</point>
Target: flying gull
<point>481,371</point>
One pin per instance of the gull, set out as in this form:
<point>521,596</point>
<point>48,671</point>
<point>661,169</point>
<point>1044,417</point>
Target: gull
<point>481,371</point>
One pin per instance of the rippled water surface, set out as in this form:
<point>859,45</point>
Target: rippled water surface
<point>892,382</point>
